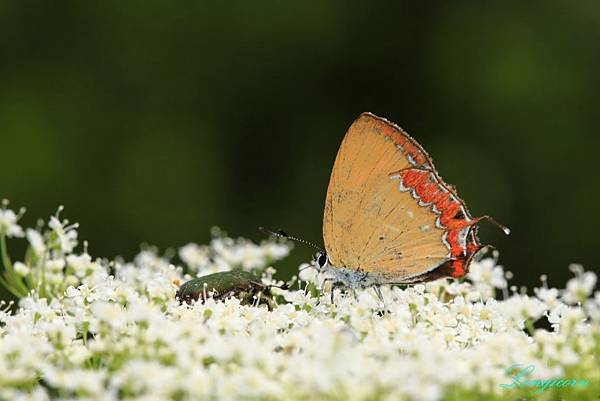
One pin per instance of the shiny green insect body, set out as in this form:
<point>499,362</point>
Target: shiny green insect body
<point>237,283</point>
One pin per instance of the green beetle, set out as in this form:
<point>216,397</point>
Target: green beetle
<point>236,283</point>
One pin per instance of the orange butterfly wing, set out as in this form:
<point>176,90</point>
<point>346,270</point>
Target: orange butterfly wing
<point>388,213</point>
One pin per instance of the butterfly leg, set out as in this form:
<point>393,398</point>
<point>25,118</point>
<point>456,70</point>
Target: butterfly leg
<point>379,294</point>
<point>377,290</point>
<point>384,309</point>
<point>324,284</point>
<point>336,284</point>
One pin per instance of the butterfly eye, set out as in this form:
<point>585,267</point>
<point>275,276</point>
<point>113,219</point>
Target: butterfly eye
<point>322,259</point>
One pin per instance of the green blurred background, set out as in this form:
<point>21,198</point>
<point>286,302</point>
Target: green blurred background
<point>153,121</point>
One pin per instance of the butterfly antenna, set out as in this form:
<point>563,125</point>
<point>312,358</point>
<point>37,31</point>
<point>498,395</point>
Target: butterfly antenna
<point>494,222</point>
<point>283,234</point>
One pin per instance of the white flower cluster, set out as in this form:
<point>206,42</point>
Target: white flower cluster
<point>116,332</point>
<point>224,253</point>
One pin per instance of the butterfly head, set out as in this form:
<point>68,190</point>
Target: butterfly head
<point>321,262</point>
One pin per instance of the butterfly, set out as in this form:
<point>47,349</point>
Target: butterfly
<point>389,218</point>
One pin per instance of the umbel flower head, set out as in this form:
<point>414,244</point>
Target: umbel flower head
<point>92,329</point>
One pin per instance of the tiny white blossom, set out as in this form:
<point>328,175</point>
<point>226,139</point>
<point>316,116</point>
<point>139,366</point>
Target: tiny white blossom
<point>580,287</point>
<point>195,256</point>
<point>21,269</point>
<point>74,294</point>
<point>555,315</point>
<point>55,265</point>
<point>308,273</point>
<point>67,235</point>
<point>549,296</point>
<point>36,241</point>
<point>8,223</point>
<point>275,250</point>
<point>80,263</point>
<point>487,272</point>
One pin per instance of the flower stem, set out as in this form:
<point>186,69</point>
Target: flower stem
<point>9,287</point>
<point>13,282</point>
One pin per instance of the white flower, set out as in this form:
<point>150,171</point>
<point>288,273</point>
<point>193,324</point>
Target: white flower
<point>555,316</point>
<point>21,269</point>
<point>80,264</point>
<point>55,265</point>
<point>160,288</point>
<point>275,251</point>
<point>105,331</point>
<point>593,306</point>
<point>110,313</point>
<point>308,273</point>
<point>74,294</point>
<point>522,307</point>
<point>36,241</point>
<point>67,235</point>
<point>8,223</point>
<point>195,256</point>
<point>487,272</point>
<point>580,287</point>
<point>549,296</point>
<point>487,313</point>
<point>78,354</point>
